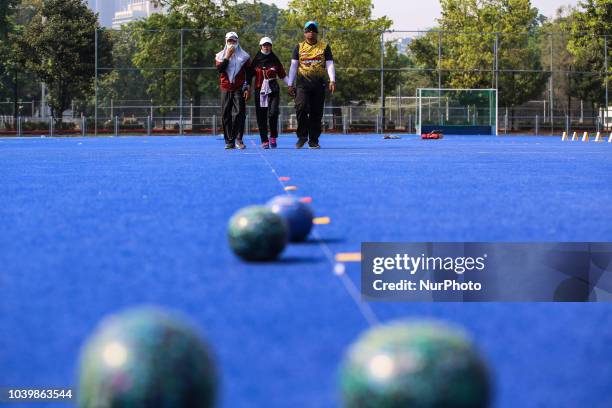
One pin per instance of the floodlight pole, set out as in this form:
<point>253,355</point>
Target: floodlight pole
<point>496,64</point>
<point>439,69</point>
<point>382,79</point>
<point>181,87</point>
<point>493,64</point>
<point>552,97</point>
<point>606,79</point>
<point>439,59</point>
<point>96,83</point>
<point>497,84</point>
<point>399,104</point>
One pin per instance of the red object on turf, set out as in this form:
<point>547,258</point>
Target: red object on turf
<point>433,135</point>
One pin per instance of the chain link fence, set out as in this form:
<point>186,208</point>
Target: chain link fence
<point>165,82</point>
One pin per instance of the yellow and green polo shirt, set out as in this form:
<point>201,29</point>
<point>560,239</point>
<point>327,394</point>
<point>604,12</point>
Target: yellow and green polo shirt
<point>312,59</point>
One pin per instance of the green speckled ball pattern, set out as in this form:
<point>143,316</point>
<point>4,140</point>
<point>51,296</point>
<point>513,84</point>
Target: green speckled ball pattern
<point>257,234</point>
<point>146,358</point>
<point>414,365</point>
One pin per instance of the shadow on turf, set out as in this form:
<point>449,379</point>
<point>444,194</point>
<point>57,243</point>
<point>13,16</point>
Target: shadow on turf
<point>326,148</point>
<point>298,260</point>
<point>313,241</point>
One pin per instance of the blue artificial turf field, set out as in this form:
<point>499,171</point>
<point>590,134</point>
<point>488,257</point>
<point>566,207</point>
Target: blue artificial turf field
<point>91,226</point>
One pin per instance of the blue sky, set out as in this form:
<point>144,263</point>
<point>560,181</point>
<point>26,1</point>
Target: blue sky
<point>406,14</point>
<point>420,14</point>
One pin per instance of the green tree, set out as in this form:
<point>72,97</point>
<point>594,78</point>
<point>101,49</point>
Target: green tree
<point>58,46</point>
<point>119,79</point>
<point>157,56</point>
<point>7,26</point>
<point>423,55</point>
<point>16,82</point>
<point>202,26</point>
<point>588,25</point>
<point>393,62</point>
<point>7,11</point>
<point>268,17</point>
<point>561,58</point>
<point>470,31</point>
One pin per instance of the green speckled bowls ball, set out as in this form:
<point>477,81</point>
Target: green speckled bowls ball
<point>257,234</point>
<point>146,357</point>
<point>414,365</point>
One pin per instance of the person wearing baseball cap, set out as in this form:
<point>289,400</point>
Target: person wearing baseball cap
<point>311,61</point>
<point>233,64</point>
<point>266,67</point>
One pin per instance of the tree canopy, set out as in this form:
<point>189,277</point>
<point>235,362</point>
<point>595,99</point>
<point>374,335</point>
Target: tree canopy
<point>58,46</point>
<point>472,34</point>
<point>482,44</point>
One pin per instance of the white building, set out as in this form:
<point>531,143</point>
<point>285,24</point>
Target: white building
<point>132,10</point>
<point>106,10</point>
<point>402,44</point>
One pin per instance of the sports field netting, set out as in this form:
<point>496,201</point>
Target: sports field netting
<point>457,111</point>
<point>163,81</point>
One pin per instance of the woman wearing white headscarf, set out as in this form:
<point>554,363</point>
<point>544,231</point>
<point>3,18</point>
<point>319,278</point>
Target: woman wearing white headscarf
<point>233,63</point>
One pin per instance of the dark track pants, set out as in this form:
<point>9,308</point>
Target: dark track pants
<point>309,104</point>
<point>233,109</point>
<point>267,115</point>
